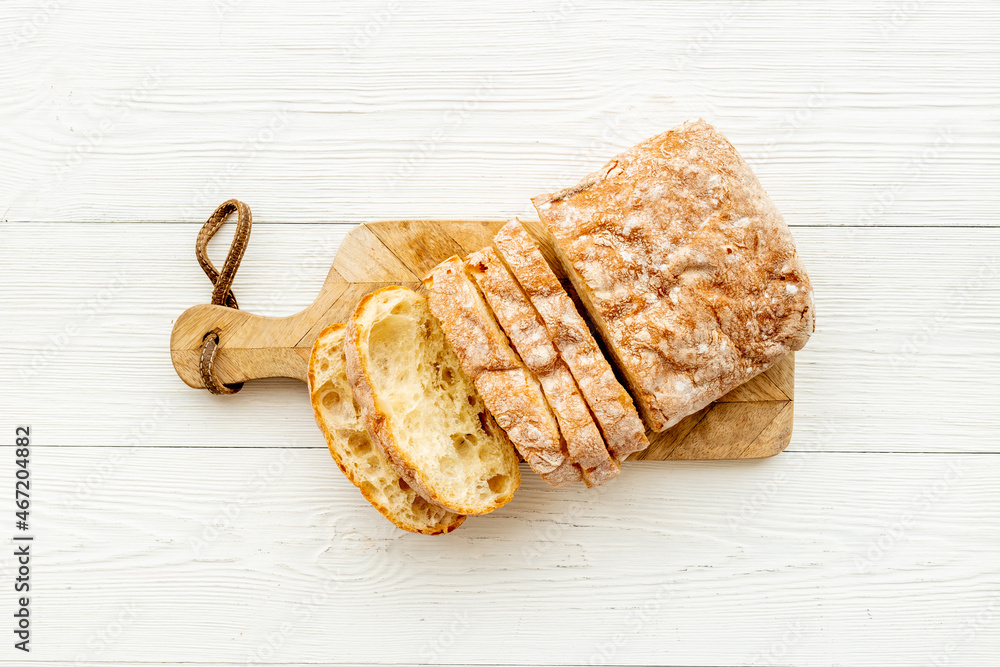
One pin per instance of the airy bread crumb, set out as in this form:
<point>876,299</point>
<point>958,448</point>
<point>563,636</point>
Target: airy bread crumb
<point>362,462</point>
<point>421,408</point>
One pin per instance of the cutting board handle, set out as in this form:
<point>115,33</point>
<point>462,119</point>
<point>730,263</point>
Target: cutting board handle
<point>251,347</point>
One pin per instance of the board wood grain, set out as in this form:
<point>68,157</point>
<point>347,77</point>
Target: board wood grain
<point>752,421</point>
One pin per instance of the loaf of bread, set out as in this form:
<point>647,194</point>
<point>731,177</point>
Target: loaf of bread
<point>422,410</point>
<point>339,418</point>
<point>685,266</point>
<point>682,265</point>
<point>527,335</point>
<point>509,390</point>
<point>610,404</point>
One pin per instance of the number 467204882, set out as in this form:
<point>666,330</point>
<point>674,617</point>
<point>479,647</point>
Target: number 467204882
<point>22,484</point>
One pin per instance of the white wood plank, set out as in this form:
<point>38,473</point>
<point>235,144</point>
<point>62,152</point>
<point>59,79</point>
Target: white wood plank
<point>852,114</point>
<point>806,559</point>
<point>906,355</point>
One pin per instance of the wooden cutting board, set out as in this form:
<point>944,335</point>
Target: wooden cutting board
<point>752,421</point>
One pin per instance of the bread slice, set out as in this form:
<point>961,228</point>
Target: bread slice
<point>531,341</point>
<point>686,267</point>
<point>421,409</point>
<point>610,404</point>
<point>508,388</point>
<point>338,416</point>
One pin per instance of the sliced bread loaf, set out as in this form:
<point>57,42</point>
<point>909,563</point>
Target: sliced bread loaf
<point>339,417</point>
<point>508,388</point>
<point>610,404</point>
<point>531,341</point>
<point>421,409</point>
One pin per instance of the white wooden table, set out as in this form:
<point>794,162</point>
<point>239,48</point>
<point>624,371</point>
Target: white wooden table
<point>172,526</point>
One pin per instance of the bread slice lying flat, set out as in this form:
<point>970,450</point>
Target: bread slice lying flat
<point>509,390</point>
<point>422,410</point>
<point>364,464</point>
<point>686,267</point>
<point>531,341</point>
<point>610,404</point>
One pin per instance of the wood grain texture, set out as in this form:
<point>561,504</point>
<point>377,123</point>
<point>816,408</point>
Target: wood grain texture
<point>851,114</point>
<point>252,347</point>
<point>217,553</point>
<point>895,309</point>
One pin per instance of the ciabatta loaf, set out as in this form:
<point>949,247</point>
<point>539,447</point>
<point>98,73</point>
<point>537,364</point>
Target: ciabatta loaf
<point>610,404</point>
<point>339,417</point>
<point>527,334</point>
<point>421,409</point>
<point>509,390</point>
<point>685,266</point>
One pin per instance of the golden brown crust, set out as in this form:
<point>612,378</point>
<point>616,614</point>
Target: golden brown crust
<point>686,267</point>
<point>324,366</point>
<point>531,341</point>
<point>609,403</point>
<point>509,390</point>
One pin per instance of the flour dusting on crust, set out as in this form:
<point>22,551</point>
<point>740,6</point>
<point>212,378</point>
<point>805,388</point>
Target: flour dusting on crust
<point>685,266</point>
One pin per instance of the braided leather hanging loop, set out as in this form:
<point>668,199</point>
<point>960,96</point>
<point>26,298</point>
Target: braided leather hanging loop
<point>222,281</point>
